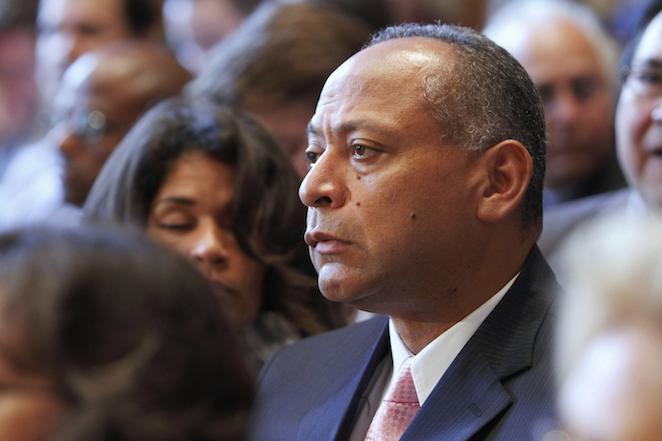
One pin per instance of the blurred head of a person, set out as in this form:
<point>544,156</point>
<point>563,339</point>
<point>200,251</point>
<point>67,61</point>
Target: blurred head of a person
<point>275,65</point>
<point>103,93</point>
<point>69,28</point>
<point>18,92</point>
<point>213,184</point>
<point>104,336</point>
<point>639,111</point>
<point>192,27</point>
<point>609,346</point>
<point>573,62</point>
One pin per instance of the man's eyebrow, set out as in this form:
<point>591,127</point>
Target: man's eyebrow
<point>651,63</point>
<point>312,130</point>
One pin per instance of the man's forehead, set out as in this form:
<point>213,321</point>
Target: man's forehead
<point>376,90</point>
<point>406,51</point>
<point>650,46</point>
<point>397,58</point>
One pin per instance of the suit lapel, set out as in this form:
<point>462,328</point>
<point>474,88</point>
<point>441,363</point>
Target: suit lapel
<point>471,392</point>
<point>466,399</point>
<point>332,416</point>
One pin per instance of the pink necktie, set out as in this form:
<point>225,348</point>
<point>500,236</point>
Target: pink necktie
<point>397,409</point>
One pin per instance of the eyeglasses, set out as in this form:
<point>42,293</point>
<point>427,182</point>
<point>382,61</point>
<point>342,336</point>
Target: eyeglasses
<point>89,126</point>
<point>643,80</point>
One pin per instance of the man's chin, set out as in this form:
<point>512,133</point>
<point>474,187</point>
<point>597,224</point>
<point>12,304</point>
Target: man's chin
<point>75,196</point>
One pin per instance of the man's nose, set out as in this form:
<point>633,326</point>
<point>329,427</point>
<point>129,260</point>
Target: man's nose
<point>64,138</point>
<point>68,144</point>
<point>324,185</point>
<point>76,47</point>
<point>566,109</point>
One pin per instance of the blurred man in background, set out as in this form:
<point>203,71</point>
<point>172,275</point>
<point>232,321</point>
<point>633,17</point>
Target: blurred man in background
<point>276,63</point>
<point>572,60</point>
<point>31,190</point>
<point>70,28</point>
<point>102,95</point>
<point>638,141</point>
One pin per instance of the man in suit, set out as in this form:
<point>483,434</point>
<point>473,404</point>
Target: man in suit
<point>424,204</point>
<point>572,60</point>
<point>638,141</point>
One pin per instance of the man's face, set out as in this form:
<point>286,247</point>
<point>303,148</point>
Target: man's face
<point>94,117</point>
<point>639,117</point>
<point>391,209</point>
<point>570,76</point>
<point>70,28</point>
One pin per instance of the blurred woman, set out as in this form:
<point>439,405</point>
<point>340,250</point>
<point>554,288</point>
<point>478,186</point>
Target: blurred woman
<point>211,183</point>
<point>107,337</point>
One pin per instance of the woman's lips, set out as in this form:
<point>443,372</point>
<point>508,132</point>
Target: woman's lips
<point>222,290</point>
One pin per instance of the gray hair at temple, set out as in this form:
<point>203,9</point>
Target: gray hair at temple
<point>484,96</point>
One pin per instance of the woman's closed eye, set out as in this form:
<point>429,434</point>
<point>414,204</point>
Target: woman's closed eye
<point>174,220</point>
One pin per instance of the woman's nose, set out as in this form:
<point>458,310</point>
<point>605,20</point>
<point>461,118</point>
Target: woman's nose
<point>209,247</point>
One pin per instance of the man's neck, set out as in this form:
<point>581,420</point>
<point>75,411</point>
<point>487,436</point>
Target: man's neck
<point>418,328</point>
<point>417,335</point>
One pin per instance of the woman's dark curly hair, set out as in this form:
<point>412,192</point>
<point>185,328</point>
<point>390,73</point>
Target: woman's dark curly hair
<point>128,332</point>
<point>268,218</point>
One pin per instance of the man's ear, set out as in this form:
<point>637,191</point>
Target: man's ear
<point>509,167</point>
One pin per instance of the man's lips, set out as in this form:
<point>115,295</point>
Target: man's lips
<point>324,242</point>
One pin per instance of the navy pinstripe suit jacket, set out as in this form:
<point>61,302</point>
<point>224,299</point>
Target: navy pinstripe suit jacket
<point>500,386</point>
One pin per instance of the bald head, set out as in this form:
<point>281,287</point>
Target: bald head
<point>102,95</point>
<point>129,76</point>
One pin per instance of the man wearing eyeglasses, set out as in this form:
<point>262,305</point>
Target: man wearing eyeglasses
<point>638,140</point>
<point>102,95</point>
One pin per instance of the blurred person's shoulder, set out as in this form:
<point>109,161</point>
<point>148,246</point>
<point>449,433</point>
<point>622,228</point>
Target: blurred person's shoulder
<point>559,221</point>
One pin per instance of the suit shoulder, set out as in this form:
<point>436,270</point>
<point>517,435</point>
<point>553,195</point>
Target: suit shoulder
<point>329,347</point>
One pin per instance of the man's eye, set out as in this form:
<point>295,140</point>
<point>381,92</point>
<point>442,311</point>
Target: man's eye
<point>650,77</point>
<point>360,150</point>
<point>585,88</point>
<point>312,157</point>
<point>546,92</point>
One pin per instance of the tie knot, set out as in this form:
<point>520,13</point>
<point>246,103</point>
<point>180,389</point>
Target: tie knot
<point>398,408</point>
<point>403,390</point>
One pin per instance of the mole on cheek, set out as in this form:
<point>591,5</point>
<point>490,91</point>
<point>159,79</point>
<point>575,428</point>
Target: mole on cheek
<point>358,177</point>
<point>413,215</point>
<point>358,203</point>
